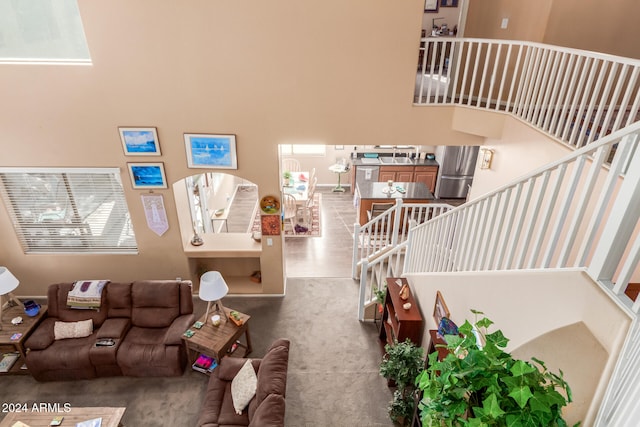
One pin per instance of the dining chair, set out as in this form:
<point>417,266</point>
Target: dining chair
<point>378,209</point>
<point>308,205</point>
<point>290,210</point>
<point>290,165</point>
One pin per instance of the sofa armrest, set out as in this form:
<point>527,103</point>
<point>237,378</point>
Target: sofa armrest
<point>230,366</point>
<point>43,336</point>
<point>177,328</point>
<point>114,328</point>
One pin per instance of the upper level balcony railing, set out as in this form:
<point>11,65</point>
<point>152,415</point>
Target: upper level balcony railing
<point>571,95</point>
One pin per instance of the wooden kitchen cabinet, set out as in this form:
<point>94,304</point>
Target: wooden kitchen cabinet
<point>396,174</point>
<point>427,175</point>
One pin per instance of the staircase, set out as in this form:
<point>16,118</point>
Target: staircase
<point>580,212</point>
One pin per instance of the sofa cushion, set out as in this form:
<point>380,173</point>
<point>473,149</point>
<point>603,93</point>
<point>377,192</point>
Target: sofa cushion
<point>243,387</point>
<point>270,413</point>
<point>119,299</point>
<point>154,304</point>
<point>272,376</point>
<point>57,301</point>
<point>65,330</point>
<point>61,356</point>
<point>230,366</point>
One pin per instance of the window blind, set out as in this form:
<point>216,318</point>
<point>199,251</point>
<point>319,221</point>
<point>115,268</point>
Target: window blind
<point>68,210</point>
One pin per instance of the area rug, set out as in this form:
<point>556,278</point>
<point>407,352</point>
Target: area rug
<point>312,229</point>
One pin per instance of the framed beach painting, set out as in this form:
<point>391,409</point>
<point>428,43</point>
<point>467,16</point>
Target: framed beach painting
<point>139,141</point>
<point>147,175</point>
<point>211,151</point>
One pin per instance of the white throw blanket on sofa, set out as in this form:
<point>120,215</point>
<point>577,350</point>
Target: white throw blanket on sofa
<point>86,294</point>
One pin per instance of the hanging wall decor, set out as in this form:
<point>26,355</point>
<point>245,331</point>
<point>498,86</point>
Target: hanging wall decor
<point>155,213</point>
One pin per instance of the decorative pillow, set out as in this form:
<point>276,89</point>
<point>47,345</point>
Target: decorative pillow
<point>62,330</point>
<point>243,387</point>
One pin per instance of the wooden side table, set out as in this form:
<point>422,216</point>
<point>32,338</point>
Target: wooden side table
<point>25,328</point>
<point>215,341</point>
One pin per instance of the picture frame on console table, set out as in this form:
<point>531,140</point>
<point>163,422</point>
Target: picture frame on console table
<point>440,309</point>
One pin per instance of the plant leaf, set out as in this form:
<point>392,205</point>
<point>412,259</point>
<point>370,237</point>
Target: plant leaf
<point>498,339</point>
<point>521,368</point>
<point>492,407</point>
<point>521,395</point>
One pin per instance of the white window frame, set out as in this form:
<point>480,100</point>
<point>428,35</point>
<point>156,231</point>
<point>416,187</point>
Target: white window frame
<point>68,210</point>
<point>42,32</point>
<point>309,150</point>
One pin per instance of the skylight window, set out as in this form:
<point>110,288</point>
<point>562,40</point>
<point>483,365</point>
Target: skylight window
<point>42,31</point>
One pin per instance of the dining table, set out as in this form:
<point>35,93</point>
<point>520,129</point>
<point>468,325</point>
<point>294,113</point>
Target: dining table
<point>298,187</point>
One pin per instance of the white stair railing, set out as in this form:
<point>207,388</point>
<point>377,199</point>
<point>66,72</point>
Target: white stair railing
<point>553,217</point>
<point>572,95</point>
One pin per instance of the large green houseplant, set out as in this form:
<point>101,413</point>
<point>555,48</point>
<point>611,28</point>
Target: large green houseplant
<point>478,384</point>
<point>401,364</point>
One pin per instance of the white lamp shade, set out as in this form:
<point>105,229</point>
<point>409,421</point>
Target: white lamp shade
<point>212,286</point>
<point>8,281</point>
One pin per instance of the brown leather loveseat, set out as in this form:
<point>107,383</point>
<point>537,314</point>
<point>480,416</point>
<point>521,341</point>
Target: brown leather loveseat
<point>266,408</point>
<point>145,319</point>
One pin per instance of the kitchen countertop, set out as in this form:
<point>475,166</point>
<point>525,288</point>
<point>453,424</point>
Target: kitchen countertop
<point>414,190</point>
<point>420,162</point>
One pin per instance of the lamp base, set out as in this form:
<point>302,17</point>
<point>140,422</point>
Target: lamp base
<point>218,309</point>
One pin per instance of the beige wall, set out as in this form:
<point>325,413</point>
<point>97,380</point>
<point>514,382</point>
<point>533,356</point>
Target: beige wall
<point>527,19</point>
<point>609,27</point>
<point>270,73</point>
<point>520,305</point>
<point>520,150</point>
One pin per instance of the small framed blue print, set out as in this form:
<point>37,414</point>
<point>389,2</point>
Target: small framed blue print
<point>140,141</point>
<point>211,151</point>
<point>147,175</point>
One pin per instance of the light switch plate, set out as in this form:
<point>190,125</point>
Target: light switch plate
<point>505,23</point>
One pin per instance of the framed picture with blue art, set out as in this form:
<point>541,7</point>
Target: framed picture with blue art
<point>147,175</point>
<point>211,151</point>
<point>139,141</point>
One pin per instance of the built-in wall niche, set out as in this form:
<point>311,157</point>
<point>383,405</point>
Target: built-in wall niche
<point>214,196</point>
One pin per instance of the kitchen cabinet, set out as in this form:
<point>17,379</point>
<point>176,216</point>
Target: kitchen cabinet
<point>396,173</point>
<point>427,175</point>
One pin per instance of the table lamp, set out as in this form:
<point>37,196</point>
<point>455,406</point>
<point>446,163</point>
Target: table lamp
<point>213,288</point>
<point>8,283</point>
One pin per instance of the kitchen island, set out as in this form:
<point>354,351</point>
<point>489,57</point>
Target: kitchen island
<point>377,192</point>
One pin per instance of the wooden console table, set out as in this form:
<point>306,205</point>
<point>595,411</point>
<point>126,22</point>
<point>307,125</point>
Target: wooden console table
<point>111,417</point>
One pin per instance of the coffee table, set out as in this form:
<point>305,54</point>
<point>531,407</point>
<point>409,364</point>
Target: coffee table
<point>111,417</point>
<point>214,341</point>
<point>25,328</point>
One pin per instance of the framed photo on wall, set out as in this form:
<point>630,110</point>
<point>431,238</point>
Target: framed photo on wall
<point>147,175</point>
<point>448,3</point>
<point>431,5</point>
<point>139,141</point>
<point>440,309</point>
<point>211,151</point>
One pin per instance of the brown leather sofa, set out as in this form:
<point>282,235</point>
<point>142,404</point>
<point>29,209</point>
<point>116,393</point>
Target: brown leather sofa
<point>146,319</point>
<point>268,405</point>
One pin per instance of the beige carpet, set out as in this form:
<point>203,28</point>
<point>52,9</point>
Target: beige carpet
<point>333,377</point>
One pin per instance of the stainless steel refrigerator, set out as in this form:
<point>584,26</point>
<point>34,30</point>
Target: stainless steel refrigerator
<point>457,166</point>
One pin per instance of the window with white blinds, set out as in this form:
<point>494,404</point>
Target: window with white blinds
<point>68,210</point>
